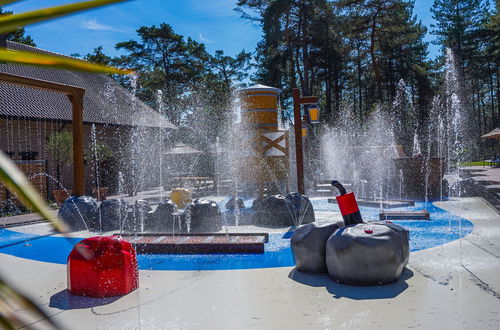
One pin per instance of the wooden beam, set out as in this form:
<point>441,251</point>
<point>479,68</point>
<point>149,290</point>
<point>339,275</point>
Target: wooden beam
<point>40,84</point>
<point>309,100</point>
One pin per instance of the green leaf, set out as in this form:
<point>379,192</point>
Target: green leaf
<point>14,305</point>
<point>12,22</point>
<point>56,61</point>
<point>6,323</point>
<point>16,182</point>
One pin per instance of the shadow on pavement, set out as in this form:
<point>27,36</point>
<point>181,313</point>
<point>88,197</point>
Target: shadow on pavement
<point>64,300</point>
<point>339,290</point>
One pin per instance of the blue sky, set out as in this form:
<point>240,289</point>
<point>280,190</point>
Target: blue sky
<point>213,22</point>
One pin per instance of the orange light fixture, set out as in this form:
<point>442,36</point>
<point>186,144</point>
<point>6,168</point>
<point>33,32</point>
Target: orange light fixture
<point>304,130</point>
<point>313,113</point>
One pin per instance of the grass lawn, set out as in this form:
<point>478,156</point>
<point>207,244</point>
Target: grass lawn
<point>478,163</point>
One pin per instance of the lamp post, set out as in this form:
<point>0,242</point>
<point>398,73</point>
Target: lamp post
<point>299,156</point>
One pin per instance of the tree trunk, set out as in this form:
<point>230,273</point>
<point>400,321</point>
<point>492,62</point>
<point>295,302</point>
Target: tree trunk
<point>498,92</point>
<point>492,102</point>
<point>293,77</point>
<point>375,64</point>
<point>360,102</point>
<point>306,87</point>
<point>336,90</point>
<point>328,96</point>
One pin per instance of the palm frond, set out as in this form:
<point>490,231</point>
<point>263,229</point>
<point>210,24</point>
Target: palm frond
<point>55,61</point>
<point>11,301</point>
<point>10,23</point>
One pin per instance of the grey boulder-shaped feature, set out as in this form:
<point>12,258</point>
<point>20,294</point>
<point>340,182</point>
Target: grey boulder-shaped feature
<point>161,220</point>
<point>367,253</point>
<point>142,207</point>
<point>80,213</point>
<point>235,203</point>
<point>301,207</point>
<point>137,216</point>
<point>404,235</point>
<point>113,213</point>
<point>272,210</point>
<point>202,216</point>
<point>279,210</point>
<point>309,245</point>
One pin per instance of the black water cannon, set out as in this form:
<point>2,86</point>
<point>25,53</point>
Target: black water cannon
<point>348,205</point>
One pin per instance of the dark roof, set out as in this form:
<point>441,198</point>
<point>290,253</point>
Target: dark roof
<point>105,101</point>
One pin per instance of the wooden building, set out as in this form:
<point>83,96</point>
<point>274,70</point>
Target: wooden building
<point>29,116</point>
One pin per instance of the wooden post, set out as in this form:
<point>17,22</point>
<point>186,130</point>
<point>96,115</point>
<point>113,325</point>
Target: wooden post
<point>76,99</point>
<point>299,156</point>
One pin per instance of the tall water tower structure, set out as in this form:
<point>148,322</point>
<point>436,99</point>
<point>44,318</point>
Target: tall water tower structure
<point>267,163</point>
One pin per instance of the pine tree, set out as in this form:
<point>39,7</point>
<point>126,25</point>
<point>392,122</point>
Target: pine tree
<point>196,86</point>
<point>342,51</point>
<point>18,35</point>
<point>98,56</point>
<point>458,23</point>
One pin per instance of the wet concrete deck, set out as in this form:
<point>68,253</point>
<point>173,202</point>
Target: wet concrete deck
<point>452,286</point>
<point>483,174</point>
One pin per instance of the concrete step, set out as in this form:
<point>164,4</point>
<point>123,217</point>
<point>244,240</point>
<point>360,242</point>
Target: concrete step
<point>495,187</point>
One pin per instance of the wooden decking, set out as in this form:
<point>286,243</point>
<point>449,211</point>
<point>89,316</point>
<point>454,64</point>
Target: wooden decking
<point>168,243</point>
<point>404,215</point>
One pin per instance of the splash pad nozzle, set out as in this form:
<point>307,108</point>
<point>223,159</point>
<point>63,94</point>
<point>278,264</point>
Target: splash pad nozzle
<point>102,266</point>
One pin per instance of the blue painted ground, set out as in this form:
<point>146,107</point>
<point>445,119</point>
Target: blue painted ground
<point>442,228</point>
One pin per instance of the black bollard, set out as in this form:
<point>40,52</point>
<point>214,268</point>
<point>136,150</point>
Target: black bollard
<point>348,205</point>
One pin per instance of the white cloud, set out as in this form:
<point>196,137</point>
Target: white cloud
<point>92,24</point>
<point>203,39</point>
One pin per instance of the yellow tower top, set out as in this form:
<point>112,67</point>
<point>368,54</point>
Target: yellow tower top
<point>259,107</point>
<point>261,88</point>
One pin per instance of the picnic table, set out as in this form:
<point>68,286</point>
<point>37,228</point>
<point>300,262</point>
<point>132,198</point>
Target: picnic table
<point>196,181</point>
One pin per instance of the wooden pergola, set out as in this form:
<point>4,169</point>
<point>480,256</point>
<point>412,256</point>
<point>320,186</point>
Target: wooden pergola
<point>494,134</point>
<point>75,96</point>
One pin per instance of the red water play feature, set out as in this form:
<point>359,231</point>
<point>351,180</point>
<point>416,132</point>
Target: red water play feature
<point>102,267</point>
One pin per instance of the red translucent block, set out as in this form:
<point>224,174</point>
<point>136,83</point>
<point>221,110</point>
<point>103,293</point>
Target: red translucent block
<point>103,266</point>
